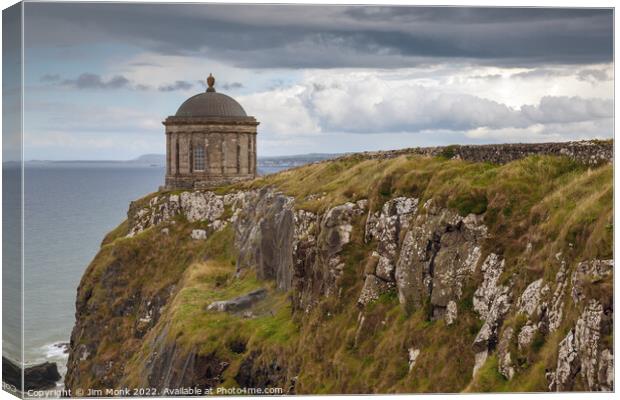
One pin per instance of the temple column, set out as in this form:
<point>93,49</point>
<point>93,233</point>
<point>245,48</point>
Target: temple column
<point>254,154</point>
<point>238,163</point>
<point>168,154</point>
<point>207,158</point>
<point>223,154</point>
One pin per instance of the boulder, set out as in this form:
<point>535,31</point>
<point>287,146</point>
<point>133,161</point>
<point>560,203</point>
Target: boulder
<point>36,377</point>
<point>238,303</point>
<point>199,234</point>
<point>413,356</point>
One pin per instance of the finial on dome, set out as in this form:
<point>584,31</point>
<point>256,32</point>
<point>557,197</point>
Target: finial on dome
<point>210,82</point>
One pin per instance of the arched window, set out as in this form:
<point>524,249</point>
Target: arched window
<point>199,158</point>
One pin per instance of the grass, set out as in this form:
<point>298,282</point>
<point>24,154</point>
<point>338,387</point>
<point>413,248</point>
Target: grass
<point>549,202</point>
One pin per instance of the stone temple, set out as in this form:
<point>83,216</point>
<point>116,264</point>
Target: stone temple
<point>210,141</point>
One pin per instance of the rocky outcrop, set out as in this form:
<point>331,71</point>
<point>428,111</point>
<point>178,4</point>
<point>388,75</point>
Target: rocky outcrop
<point>583,351</point>
<point>194,205</point>
<point>505,364</point>
<point>264,236</point>
<point>36,377</point>
<point>428,256</point>
<point>170,366</point>
<point>491,301</point>
<point>238,303</point>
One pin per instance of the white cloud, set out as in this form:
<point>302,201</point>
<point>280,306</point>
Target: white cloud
<point>408,101</point>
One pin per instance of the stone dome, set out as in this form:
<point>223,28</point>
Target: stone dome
<point>211,104</point>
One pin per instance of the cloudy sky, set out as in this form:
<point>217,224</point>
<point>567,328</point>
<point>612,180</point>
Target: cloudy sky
<point>100,78</point>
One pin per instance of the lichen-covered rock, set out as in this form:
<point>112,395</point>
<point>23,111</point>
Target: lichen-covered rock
<point>588,332</point>
<point>505,364</point>
<point>567,366</point>
<point>413,357</point>
<point>385,227</point>
<point>451,312</point>
<point>199,234</point>
<point>526,334</point>
<point>455,260</point>
<point>334,233</point>
<point>529,301</point>
<point>238,303</point>
<point>582,352</point>
<point>589,271</point>
<point>551,315</point>
<point>491,301</point>
<point>372,289</point>
<point>201,206</point>
<point>440,250</point>
<point>264,237</point>
<point>196,206</point>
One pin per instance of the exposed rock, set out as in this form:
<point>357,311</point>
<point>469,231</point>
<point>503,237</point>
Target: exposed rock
<point>581,352</point>
<point>606,371</point>
<point>456,259</point>
<point>451,312</point>
<point>255,372</point>
<point>373,288</point>
<point>413,356</point>
<point>171,366</point>
<point>505,365</point>
<point>589,271</point>
<point>385,227</point>
<point>238,303</point>
<point>587,339</point>
<point>526,335</point>
<point>199,234</point>
<point>334,233</point>
<point>567,366</point>
<point>439,251</point>
<point>492,302</point>
<point>36,377</point>
<point>201,206</point>
<point>264,237</point>
<point>195,205</point>
<point>553,316</point>
<point>529,301</point>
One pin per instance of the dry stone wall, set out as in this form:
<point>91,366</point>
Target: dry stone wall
<point>590,152</point>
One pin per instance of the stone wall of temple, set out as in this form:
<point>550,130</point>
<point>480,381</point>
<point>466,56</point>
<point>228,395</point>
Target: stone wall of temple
<point>228,153</point>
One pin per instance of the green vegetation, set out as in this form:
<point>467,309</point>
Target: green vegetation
<point>549,203</point>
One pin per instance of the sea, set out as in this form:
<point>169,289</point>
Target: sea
<point>68,209</point>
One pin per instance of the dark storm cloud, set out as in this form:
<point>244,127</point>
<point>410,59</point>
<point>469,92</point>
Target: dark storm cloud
<point>337,36</point>
<point>94,81</point>
<point>178,85</point>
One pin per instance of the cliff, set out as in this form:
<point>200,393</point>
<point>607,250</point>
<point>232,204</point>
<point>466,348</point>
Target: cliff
<point>365,274</point>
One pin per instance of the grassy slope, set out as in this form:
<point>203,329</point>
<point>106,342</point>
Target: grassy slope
<point>550,202</point>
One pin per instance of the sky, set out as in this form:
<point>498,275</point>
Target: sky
<point>101,77</point>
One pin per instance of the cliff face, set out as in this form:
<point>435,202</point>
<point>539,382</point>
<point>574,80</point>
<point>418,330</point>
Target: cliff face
<point>359,276</point>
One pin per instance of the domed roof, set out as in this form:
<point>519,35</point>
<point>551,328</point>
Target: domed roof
<point>211,104</point>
